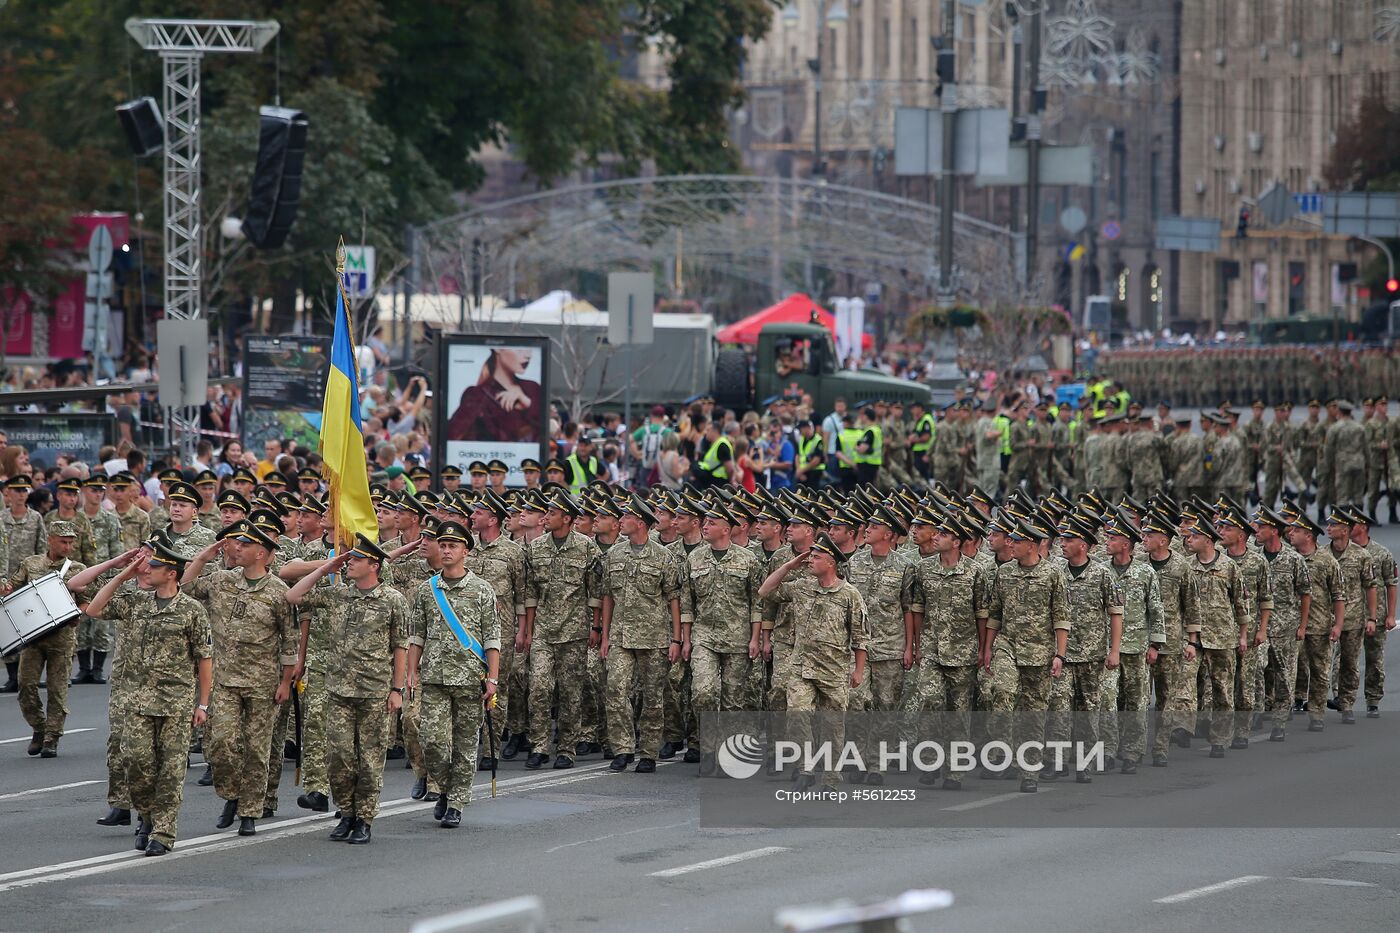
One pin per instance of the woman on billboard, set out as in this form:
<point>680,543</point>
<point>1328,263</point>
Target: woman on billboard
<point>501,406</point>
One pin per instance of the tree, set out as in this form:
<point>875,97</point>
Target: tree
<point>1366,156</point>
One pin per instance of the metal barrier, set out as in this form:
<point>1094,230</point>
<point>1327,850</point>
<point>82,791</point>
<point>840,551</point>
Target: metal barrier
<point>891,916</point>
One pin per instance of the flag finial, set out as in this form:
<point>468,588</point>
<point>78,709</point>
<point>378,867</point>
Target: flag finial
<point>340,257</point>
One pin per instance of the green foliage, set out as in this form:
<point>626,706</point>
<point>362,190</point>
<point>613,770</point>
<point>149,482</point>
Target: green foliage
<point>1366,156</point>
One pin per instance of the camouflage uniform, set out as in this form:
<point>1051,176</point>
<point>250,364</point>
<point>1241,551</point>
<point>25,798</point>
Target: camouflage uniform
<point>365,627</point>
<point>85,550</point>
<point>1288,573</point>
<point>96,634</point>
<point>724,607</point>
<point>1325,580</point>
<point>830,629</point>
<point>1386,578</point>
<point>1378,432</point>
<point>642,582</point>
<point>501,563</point>
<point>451,678</point>
<point>988,454</point>
<point>159,517</point>
<point>315,777</point>
<point>796,592</point>
<point>1218,601</point>
<point>563,590</point>
<point>1254,569</point>
<point>949,604</point>
<point>24,537</point>
<point>164,645</point>
<point>254,638</point>
<point>1186,459</point>
<point>1093,597</point>
<point>1278,444</point>
<point>682,726</point>
<point>886,584</point>
<point>1358,575</point>
<point>1173,677</point>
<point>405,575</point>
<point>1307,442</point>
<point>49,658</point>
<point>1025,607</point>
<point>759,670</point>
<point>189,543</point>
<point>1344,461</point>
<point>1126,689</point>
<point>135,528</point>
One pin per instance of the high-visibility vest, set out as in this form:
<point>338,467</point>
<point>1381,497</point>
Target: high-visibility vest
<point>1123,399</point>
<point>710,463</point>
<point>1074,424</point>
<point>846,442</point>
<point>808,448</point>
<point>876,456</point>
<point>1004,422</point>
<point>925,423</point>
<point>578,478</point>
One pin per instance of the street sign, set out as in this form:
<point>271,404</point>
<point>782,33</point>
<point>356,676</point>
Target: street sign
<point>1277,205</point>
<point>182,348</point>
<point>1310,203</point>
<point>1189,234</point>
<point>1111,230</point>
<point>1059,165</point>
<point>982,141</point>
<point>631,293</point>
<point>1361,214</point>
<point>359,271</point>
<point>1073,219</point>
<point>100,249</point>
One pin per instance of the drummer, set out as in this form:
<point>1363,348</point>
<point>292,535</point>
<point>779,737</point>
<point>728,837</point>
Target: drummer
<point>49,657</point>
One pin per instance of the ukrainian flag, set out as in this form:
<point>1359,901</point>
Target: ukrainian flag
<point>342,437</point>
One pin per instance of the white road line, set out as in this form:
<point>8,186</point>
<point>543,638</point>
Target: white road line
<point>996,798</point>
<point>26,738</point>
<point>717,862</point>
<point>1368,858</point>
<point>1211,889</point>
<point>1339,882</point>
<point>45,790</point>
<point>630,832</point>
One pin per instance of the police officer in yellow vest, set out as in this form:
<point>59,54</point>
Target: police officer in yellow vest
<point>716,467</point>
<point>811,455</point>
<point>581,467</point>
<point>846,440</point>
<point>870,449</point>
<point>921,438</point>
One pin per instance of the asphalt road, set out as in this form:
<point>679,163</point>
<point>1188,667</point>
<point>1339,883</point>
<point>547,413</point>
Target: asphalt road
<point>627,852</point>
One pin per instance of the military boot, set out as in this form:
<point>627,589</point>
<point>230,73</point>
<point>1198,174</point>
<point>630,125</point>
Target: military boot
<point>12,684</point>
<point>84,669</point>
<point>99,658</point>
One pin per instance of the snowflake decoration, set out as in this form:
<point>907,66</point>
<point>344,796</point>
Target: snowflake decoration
<point>1387,24</point>
<point>1029,7</point>
<point>1056,71</point>
<point>1137,64</point>
<point>1081,34</point>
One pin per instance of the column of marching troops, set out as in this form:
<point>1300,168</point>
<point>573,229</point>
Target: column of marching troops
<point>600,621</point>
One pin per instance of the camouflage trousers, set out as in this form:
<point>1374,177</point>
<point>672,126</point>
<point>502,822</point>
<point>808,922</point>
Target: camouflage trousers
<point>94,634</point>
<point>51,658</point>
<point>947,690</point>
<point>680,723</point>
<point>988,478</point>
<point>517,718</point>
<point>1123,701</point>
<point>718,683</point>
<point>277,750</point>
<point>1316,660</point>
<point>647,667</point>
<point>1174,684</point>
<point>357,729</point>
<point>560,666</point>
<point>151,756</point>
<point>1375,665</point>
<point>1349,667</point>
<point>882,689</point>
<point>1019,713</point>
<point>1347,485</point>
<point>118,714</point>
<point>593,726</point>
<point>505,673</point>
<point>237,742</point>
<point>1280,674</point>
<point>806,696</point>
<point>451,728</point>
<point>1076,691</point>
<point>1246,668</point>
<point>1218,695</point>
<point>782,673</point>
<point>756,686</point>
<point>313,733</point>
<point>411,722</point>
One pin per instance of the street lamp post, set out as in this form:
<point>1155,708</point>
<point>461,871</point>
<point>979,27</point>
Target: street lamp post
<point>829,13</point>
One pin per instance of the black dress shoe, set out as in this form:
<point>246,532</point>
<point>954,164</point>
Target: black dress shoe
<point>645,766</point>
<point>440,808</point>
<point>486,764</point>
<point>1332,703</point>
<point>1159,761</point>
<point>359,835</point>
<point>608,752</point>
<point>229,814</point>
<point>116,816</point>
<point>36,743</point>
<point>1217,751</point>
<point>1029,786</point>
<point>692,756</point>
<point>342,830</point>
<point>668,751</point>
<point>50,749</point>
<point>1182,738</point>
<point>1373,712</point>
<point>143,835</point>
<point>207,778</point>
<point>1128,767</point>
<point>452,818</point>
<point>156,847</point>
<point>1277,734</point>
<point>563,761</point>
<point>420,789</point>
<point>619,763</point>
<point>247,826</point>
<point>268,813</point>
<point>952,784</point>
<point>1239,742</point>
<point>536,760</point>
<point>98,677</point>
<point>580,749</point>
<point>431,796</point>
<point>315,801</point>
<point>512,747</point>
<point>1300,706</point>
<point>395,753</point>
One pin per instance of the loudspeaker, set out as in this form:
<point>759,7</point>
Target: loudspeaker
<point>144,129</point>
<point>276,187</point>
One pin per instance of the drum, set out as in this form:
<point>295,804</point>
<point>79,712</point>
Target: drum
<point>34,610</point>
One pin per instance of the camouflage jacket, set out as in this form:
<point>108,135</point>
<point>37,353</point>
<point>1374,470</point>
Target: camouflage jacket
<point>161,647</point>
<point>724,602</point>
<point>827,633</point>
<point>951,601</point>
<point>641,583</point>
<point>1325,581</point>
<point>36,565</point>
<point>1358,576</point>
<point>445,661</point>
<point>364,629</point>
<point>1218,601</point>
<point>106,534</point>
<point>1026,605</point>
<point>1143,617</point>
<point>135,528</point>
<point>1288,574</point>
<point>24,537</point>
<point>502,564</point>
<point>189,543</point>
<point>86,550</point>
<point>254,637</point>
<point>158,517</point>
<point>886,585</point>
<point>562,587</point>
<point>1093,597</point>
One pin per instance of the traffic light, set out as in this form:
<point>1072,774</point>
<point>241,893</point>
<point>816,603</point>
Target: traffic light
<point>1392,286</point>
<point>1242,228</point>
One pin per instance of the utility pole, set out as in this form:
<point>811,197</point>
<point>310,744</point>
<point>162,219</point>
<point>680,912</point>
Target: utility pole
<point>1033,150</point>
<point>410,276</point>
<point>1018,127</point>
<point>948,98</point>
<point>816,65</point>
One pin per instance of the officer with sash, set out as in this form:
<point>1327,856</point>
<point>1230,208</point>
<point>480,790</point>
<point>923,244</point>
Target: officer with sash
<point>454,652</point>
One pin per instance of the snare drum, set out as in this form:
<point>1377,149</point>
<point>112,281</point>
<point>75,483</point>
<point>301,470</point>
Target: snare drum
<point>34,610</point>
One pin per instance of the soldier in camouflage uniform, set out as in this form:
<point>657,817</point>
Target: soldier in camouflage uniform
<point>255,644</point>
<point>1359,584</point>
<point>186,535</point>
<point>458,670</point>
<point>561,614</point>
<point>67,497</point>
<point>1144,636</point>
<point>1327,608</point>
<point>407,568</point>
<point>1386,579</point>
<point>160,516</point>
<point>366,671</point>
<point>1251,436</point>
<point>1378,433</point>
<point>782,603</point>
<point>1217,601</point>
<point>1307,444</point>
<point>500,562</point>
<point>24,537</point>
<point>168,671</point>
<point>682,726</point>
<point>884,577</point>
<point>767,545</point>
<point>1276,445</point>
<point>642,635</point>
<point>1029,606</point>
<point>49,658</point>
<point>135,524</point>
<point>1343,467</point>
<point>948,605</point>
<point>1095,637</point>
<point>1144,450</point>
<point>1292,598</point>
<point>207,482</point>
<point>1234,530</point>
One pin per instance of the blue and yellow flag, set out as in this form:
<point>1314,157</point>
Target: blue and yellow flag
<point>342,437</point>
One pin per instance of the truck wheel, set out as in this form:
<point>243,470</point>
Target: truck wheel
<point>732,379</point>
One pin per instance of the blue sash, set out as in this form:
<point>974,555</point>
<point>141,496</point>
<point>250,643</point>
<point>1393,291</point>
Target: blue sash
<point>449,616</point>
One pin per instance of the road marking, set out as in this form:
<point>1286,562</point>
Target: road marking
<point>1368,858</point>
<point>996,798</point>
<point>45,790</point>
<point>1211,889</point>
<point>1339,882</point>
<point>26,738</point>
<point>630,832</point>
<point>269,831</point>
<point>719,862</point>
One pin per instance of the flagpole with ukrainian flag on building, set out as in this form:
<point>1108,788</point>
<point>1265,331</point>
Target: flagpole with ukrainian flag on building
<point>342,436</point>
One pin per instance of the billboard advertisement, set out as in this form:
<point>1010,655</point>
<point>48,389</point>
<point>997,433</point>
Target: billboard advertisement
<point>492,401</point>
<point>78,434</point>
<point>284,384</point>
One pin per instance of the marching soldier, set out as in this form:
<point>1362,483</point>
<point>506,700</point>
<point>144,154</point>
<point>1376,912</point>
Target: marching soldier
<point>1374,639</point>
<point>51,657</point>
<point>67,496</point>
<point>1234,532</point>
<point>1322,627</point>
<point>95,635</point>
<point>1292,595</point>
<point>884,577</point>
<point>1359,593</point>
<point>186,535</point>
<point>24,537</point>
<point>1217,602</point>
<point>1144,637</point>
<point>500,562</point>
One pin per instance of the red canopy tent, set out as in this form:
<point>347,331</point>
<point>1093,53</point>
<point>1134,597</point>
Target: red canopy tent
<point>794,309</point>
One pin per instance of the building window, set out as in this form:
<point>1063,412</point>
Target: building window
<point>1297,287</point>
